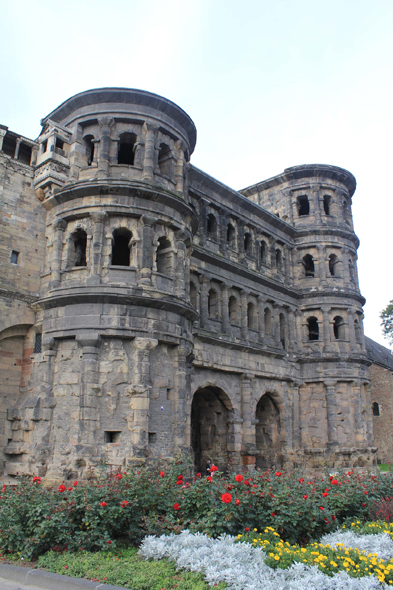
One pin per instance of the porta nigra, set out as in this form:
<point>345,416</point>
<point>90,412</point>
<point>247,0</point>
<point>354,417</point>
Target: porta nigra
<point>147,309</point>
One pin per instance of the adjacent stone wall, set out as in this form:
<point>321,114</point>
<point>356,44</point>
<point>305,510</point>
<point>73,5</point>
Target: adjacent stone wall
<point>382,393</point>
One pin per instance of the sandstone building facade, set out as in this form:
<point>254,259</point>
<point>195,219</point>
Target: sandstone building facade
<point>146,308</point>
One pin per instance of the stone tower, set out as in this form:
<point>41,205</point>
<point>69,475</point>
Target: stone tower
<point>175,313</point>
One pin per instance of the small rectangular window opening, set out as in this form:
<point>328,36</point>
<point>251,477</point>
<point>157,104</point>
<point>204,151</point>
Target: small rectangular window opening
<point>112,436</point>
<point>38,342</point>
<point>152,437</point>
<point>59,143</point>
<point>14,257</point>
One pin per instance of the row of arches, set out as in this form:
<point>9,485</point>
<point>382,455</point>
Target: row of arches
<point>309,265</point>
<point>303,206</point>
<point>339,328</point>
<point>122,245</point>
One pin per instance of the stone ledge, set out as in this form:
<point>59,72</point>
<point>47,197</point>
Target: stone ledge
<point>48,580</point>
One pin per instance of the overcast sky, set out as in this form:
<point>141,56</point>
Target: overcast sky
<point>269,85</point>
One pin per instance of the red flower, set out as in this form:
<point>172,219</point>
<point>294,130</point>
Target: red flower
<point>334,482</point>
<point>321,508</point>
<point>176,506</point>
<point>239,477</point>
<point>246,529</point>
<point>305,496</point>
<point>325,494</point>
<point>366,492</point>
<point>209,478</point>
<point>109,542</point>
<point>278,473</point>
<point>274,514</point>
<point>230,487</point>
<point>363,504</point>
<point>180,478</point>
<point>198,475</point>
<point>124,504</point>
<point>119,476</point>
<point>162,474</point>
<point>247,483</point>
<point>69,489</point>
<point>301,480</point>
<point>36,480</point>
<point>333,517</point>
<point>179,482</point>
<point>62,488</point>
<point>103,504</point>
<point>237,502</point>
<point>213,468</point>
<point>75,484</point>
<point>326,520</point>
<point>226,498</point>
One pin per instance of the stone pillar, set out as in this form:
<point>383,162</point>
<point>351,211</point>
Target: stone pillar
<point>368,416</point>
<point>249,434</point>
<point>326,328</point>
<point>34,153</point>
<point>180,390</point>
<point>98,218</point>
<point>299,327</point>
<point>296,416</point>
<point>322,265</point>
<point>226,327</point>
<point>358,420</point>
<point>276,325</point>
<point>205,281</point>
<point>331,412</point>
<point>292,338</point>
<point>261,317</point>
<point>203,224</point>
<point>149,163</point>
<point>89,417</point>
<point>106,124</point>
<point>2,134</point>
<point>345,268</point>
<point>222,229</point>
<point>352,333</point>
<point>17,146</point>
<point>315,194</point>
<point>146,256</point>
<point>181,274</point>
<point>179,167</point>
<point>140,395</point>
<point>59,225</point>
<point>240,241</point>
<point>243,315</point>
<point>361,334</point>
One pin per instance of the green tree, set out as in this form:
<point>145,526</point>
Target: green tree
<point>387,321</point>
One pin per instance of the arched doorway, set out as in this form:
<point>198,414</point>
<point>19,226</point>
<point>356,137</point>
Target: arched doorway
<point>268,433</point>
<point>210,411</point>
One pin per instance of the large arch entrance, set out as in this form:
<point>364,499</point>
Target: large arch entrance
<point>268,433</point>
<point>210,411</point>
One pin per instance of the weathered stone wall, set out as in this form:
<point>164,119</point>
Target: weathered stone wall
<point>382,393</point>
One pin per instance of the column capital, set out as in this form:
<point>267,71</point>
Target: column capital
<point>60,224</point>
<point>98,216</point>
<point>152,127</point>
<point>247,376</point>
<point>148,221</point>
<point>106,122</point>
<point>145,343</point>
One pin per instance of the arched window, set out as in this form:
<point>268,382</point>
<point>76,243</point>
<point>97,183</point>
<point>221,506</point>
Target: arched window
<point>308,263</point>
<point>278,260</point>
<point>252,323</point>
<point>193,295</point>
<point>283,329</point>
<point>165,159</point>
<point>333,265</point>
<point>231,236</point>
<point>313,328</point>
<point>248,243</point>
<point>89,148</point>
<point>268,321</point>
<point>233,309</point>
<point>339,328</point>
<point>327,199</point>
<point>264,251</point>
<point>376,409</point>
<point>121,247</point>
<point>126,149</point>
<point>212,302</point>
<point>211,227</point>
<point>303,205</point>
<point>164,256</point>
<point>77,249</point>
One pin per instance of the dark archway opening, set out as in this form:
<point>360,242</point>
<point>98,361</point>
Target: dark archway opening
<point>77,251</point>
<point>126,149</point>
<point>210,411</point>
<point>308,263</point>
<point>121,247</point>
<point>268,433</point>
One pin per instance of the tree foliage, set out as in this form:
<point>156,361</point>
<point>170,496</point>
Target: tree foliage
<point>387,321</point>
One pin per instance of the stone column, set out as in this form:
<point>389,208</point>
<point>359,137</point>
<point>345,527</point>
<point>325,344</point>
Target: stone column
<point>59,225</point>
<point>249,435</point>
<point>368,416</point>
<point>98,218</point>
<point>243,315</point>
<point>261,318</point>
<point>34,153</point>
<point>222,228</point>
<point>179,167</point>
<point>89,417</point>
<point>2,134</point>
<point>106,124</point>
<point>146,256</point>
<point>17,146</point>
<point>226,327</point>
<point>203,224</point>
<point>358,419</point>
<point>240,241</point>
<point>205,281</point>
<point>331,412</point>
<point>181,274</point>
<point>315,194</point>
<point>296,415</point>
<point>299,327</point>
<point>149,163</point>
<point>322,265</point>
<point>180,391</point>
<point>352,333</point>
<point>140,395</point>
<point>276,325</point>
<point>326,328</point>
<point>291,329</point>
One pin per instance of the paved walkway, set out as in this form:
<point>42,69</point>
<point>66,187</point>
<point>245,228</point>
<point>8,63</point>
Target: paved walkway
<point>4,585</point>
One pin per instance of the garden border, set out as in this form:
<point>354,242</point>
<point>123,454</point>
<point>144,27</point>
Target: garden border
<point>48,581</point>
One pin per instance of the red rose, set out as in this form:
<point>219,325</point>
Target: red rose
<point>326,520</point>
<point>209,478</point>
<point>198,475</point>
<point>75,483</point>
<point>62,488</point>
<point>325,494</point>
<point>109,542</point>
<point>69,489</point>
<point>239,477</point>
<point>119,476</point>
<point>278,473</point>
<point>363,504</point>
<point>246,529</point>
<point>366,492</point>
<point>176,506</point>
<point>230,487</point>
<point>274,514</point>
<point>334,482</point>
<point>226,498</point>
<point>213,468</point>
<point>301,480</point>
<point>179,482</point>
<point>162,474</point>
<point>237,502</point>
<point>179,477</point>
<point>124,504</point>
<point>247,483</point>
<point>321,508</point>
<point>36,480</point>
<point>103,504</point>
<point>333,517</point>
<point>305,496</point>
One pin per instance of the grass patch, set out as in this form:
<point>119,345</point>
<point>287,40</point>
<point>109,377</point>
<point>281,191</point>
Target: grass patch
<point>123,567</point>
<point>385,467</point>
